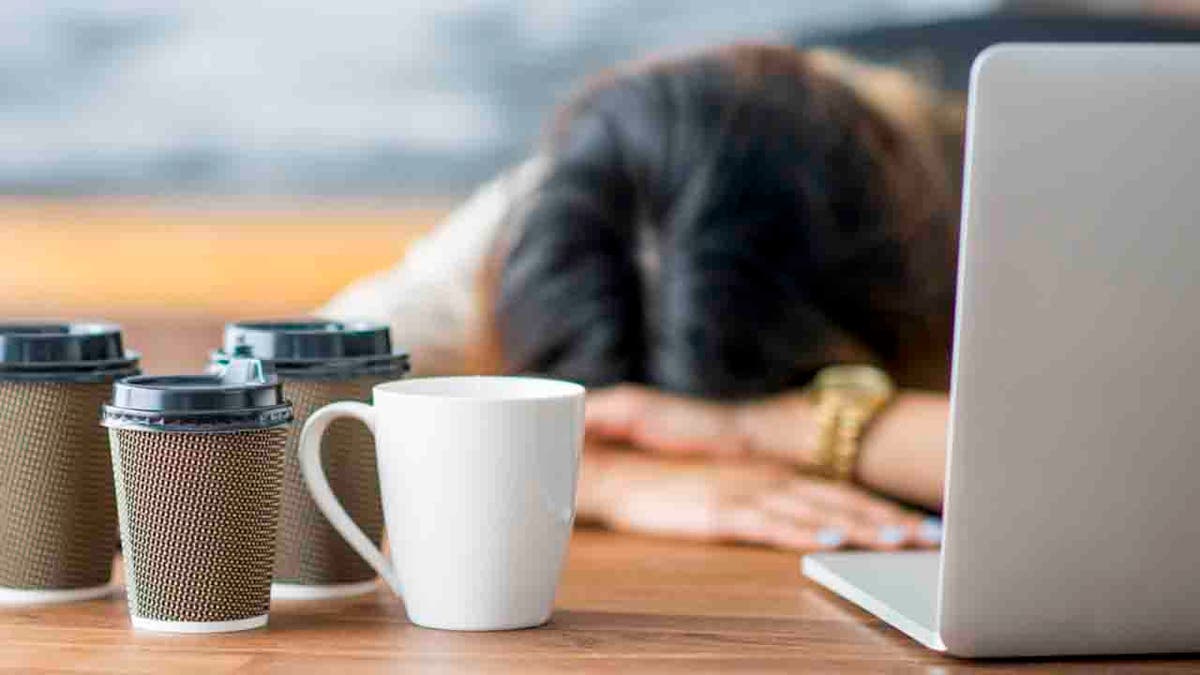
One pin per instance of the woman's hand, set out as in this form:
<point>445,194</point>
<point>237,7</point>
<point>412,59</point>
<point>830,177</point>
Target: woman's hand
<point>665,423</point>
<point>780,427</point>
<point>742,501</point>
<point>902,455</point>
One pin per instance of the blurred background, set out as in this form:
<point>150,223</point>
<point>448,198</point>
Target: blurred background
<point>181,163</point>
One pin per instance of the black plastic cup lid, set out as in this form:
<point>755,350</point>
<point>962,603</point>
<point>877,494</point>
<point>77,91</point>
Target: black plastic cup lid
<point>71,352</point>
<point>314,347</point>
<point>245,395</point>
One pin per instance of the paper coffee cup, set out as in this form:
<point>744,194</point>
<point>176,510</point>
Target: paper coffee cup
<point>58,511</point>
<point>320,362</point>
<point>198,467</point>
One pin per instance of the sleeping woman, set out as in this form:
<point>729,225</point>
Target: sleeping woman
<point>747,255</point>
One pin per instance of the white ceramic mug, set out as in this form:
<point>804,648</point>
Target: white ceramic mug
<point>478,480</point>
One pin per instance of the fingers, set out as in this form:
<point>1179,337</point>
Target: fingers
<point>808,514</point>
<point>929,533</point>
<point>892,526</point>
<point>761,504</point>
<point>844,527</point>
<point>750,524</point>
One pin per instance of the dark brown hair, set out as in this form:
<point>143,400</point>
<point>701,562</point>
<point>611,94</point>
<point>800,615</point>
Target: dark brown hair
<point>726,223</point>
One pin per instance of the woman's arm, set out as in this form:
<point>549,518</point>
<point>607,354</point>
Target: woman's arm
<point>902,456</point>
<point>903,453</point>
<point>749,501</point>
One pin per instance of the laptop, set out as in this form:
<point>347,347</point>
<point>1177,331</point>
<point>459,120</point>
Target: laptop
<point>1072,502</point>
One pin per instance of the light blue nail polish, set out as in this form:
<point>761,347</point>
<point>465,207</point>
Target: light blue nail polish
<point>892,535</point>
<point>930,530</point>
<point>831,537</point>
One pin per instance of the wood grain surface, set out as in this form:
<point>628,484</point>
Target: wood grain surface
<point>626,604</point>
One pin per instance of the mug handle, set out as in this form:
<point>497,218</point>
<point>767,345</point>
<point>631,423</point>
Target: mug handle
<point>322,494</point>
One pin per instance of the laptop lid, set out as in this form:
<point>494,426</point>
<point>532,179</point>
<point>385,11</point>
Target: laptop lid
<point>1073,491</point>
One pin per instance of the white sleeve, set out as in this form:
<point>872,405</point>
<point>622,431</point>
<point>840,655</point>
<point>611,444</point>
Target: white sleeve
<point>430,298</point>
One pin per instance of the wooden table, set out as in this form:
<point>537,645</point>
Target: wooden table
<point>626,604</point>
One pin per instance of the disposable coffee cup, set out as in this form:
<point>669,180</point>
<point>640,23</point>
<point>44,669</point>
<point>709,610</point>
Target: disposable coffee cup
<point>320,362</point>
<point>56,503</point>
<point>198,466</point>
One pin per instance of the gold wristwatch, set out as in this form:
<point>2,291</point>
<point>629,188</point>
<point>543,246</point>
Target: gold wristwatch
<point>845,399</point>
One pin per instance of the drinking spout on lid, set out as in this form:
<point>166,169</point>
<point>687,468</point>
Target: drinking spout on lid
<point>246,371</point>
<point>242,350</point>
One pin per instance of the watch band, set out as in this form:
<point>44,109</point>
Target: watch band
<point>846,399</point>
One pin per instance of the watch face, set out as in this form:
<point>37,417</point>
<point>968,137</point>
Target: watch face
<point>852,379</point>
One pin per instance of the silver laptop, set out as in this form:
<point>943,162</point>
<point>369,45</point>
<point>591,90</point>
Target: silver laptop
<point>1072,511</point>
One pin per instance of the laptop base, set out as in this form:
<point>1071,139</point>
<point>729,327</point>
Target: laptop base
<point>900,588</point>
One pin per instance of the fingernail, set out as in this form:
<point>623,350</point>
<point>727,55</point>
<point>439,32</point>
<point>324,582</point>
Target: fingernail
<point>831,537</point>
<point>892,535</point>
<point>930,530</point>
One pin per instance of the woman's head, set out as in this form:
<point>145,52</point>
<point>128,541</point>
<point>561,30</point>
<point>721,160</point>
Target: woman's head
<point>725,224</point>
